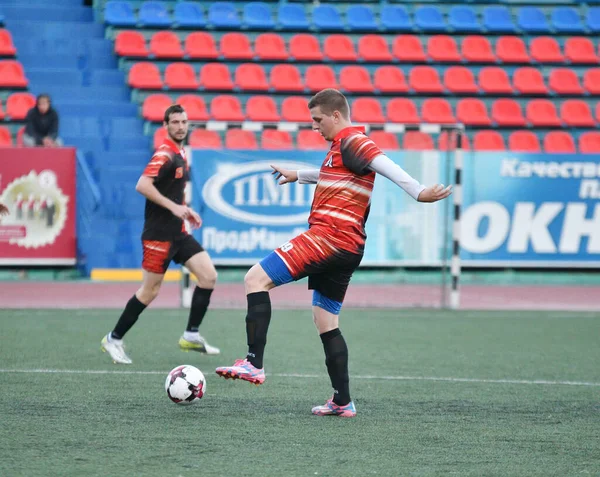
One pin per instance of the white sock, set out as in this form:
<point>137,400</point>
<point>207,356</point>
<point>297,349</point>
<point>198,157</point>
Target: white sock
<point>191,335</point>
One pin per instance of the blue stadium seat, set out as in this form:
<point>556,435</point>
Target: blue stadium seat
<point>532,20</point>
<point>463,19</point>
<point>326,17</point>
<point>224,15</point>
<point>258,15</point>
<point>497,19</point>
<point>119,13</point>
<point>189,14</point>
<point>154,14</point>
<point>361,18</point>
<point>292,17</point>
<point>592,19</point>
<point>395,18</point>
<point>429,19</point>
<point>567,20</point>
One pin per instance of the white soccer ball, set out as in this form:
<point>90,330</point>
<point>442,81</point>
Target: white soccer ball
<point>185,384</point>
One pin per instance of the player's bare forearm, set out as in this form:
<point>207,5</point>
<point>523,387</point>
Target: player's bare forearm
<point>145,186</point>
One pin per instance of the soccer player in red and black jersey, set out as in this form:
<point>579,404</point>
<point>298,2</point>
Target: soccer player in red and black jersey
<point>331,249</point>
<point>165,238</point>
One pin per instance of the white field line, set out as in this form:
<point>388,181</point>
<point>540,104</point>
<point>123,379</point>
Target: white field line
<point>314,376</point>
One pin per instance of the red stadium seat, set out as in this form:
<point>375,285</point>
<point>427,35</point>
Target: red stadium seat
<point>438,111</point>
<point>166,44</point>
<point>529,80</point>
<point>472,112</point>
<point>444,141</point>
<point>203,139</point>
<point>154,107</point>
<point>194,106</point>
<point>577,113</point>
<point>159,137</point>
<point>20,133</point>
<point>305,47</point>
<point>7,48</point>
<point>131,43</point>
<point>564,81</point>
<point>262,108</point>
<point>271,139</point>
<point>494,80</point>
<point>251,77</point>
<point>488,141</point>
<point>215,76</point>
<point>425,79</point>
<point>542,112</point>
<point>417,141</point>
<point>226,108</point>
<point>402,110</point>
<point>507,112</point>
<point>180,76</point>
<point>589,142</point>
<point>339,48</point>
<point>374,48</point>
<point>511,49</point>
<point>385,140</point>
<point>236,46</point>
<point>390,79</point>
<point>240,139</point>
<point>459,79</point>
<point>286,78</point>
<point>19,104</point>
<point>524,141</point>
<point>318,77</point>
<point>545,49</point>
<point>309,140</point>
<point>591,81</point>
<point>12,74</point>
<point>408,48</point>
<point>367,110</point>
<point>295,109</point>
<point>200,45</point>
<point>443,48</point>
<point>580,50</point>
<point>559,142</point>
<point>5,137</point>
<point>477,49</point>
<point>145,75</point>
<point>356,79</point>
<point>270,46</point>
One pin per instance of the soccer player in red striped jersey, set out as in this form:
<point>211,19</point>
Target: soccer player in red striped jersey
<point>165,238</point>
<point>330,250</point>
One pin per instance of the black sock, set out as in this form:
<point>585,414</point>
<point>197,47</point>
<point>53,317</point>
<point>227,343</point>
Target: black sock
<point>128,318</point>
<point>200,301</point>
<point>336,359</point>
<point>257,325</point>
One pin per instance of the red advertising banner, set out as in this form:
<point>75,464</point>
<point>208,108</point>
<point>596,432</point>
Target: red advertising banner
<point>38,187</point>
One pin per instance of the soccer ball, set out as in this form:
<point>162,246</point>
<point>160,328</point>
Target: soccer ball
<point>185,384</point>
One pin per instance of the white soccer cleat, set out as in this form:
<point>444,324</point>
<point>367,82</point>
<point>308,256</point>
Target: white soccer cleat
<point>199,344</point>
<point>116,350</point>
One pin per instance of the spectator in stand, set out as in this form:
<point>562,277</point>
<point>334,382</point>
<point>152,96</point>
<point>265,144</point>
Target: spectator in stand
<point>41,124</point>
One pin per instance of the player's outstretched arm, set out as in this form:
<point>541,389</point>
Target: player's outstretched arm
<point>434,193</point>
<point>305,176</point>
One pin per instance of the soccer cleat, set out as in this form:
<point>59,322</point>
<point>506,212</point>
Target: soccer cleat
<point>242,369</point>
<point>116,350</point>
<point>332,409</point>
<point>200,345</point>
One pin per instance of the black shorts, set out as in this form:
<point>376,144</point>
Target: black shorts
<point>158,254</point>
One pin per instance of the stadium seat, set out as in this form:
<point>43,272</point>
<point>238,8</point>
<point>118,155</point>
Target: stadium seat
<point>532,20</point>
<point>528,80</point>
<point>425,79</point>
<point>367,110</point>
<point>559,142</point>
<point>498,19</point>
<point>318,77</point>
<point>272,139</point>
<point>224,15</point>
<point>417,141</point>
<point>458,79</point>
<point>511,49</point>
<point>408,48</point>
<point>189,15</point>
<point>285,78</point>
<point>580,50</point>
<point>131,43</point>
<point>145,75</point>
<point>507,112</point>
<point>18,105</point>
<point>257,16</point>
<point>339,48</point>
<point>194,106</point>
<point>292,17</point>
<point>472,112</point>
<point>226,108</point>
<point>236,46</point>
<point>251,77</point>
<point>443,48</point>
<point>200,44</point>
<point>203,139</point>
<point>159,137</point>
<point>395,18</point>
<point>494,80</point>
<point>20,133</point>
<point>154,107</point>
<point>309,140</point>
<point>166,44</point>
<point>576,113</point>
<point>295,109</point>
<point>463,19</point>
<point>270,46</point>
<point>524,141</point>
<point>564,81</point>
<point>429,19</point>
<point>374,48</point>
<point>591,81</point>
<point>154,14</point>
<point>361,18</point>
<point>477,49</point>
<point>390,79</point>
<point>119,13</point>
<point>327,17</point>
<point>542,112</point>
<point>7,48</point>
<point>385,140</point>
<point>545,49</point>
<point>488,141</point>
<point>12,74</point>
<point>215,76</point>
<point>356,79</point>
<point>447,139</point>
<point>5,137</point>
<point>180,76</point>
<point>262,108</point>
<point>589,143</point>
<point>402,110</point>
<point>305,47</point>
<point>567,20</point>
<point>240,139</point>
<point>437,111</point>
<point>592,19</point>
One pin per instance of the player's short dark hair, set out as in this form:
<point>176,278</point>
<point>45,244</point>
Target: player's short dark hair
<point>173,109</point>
<point>330,100</point>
